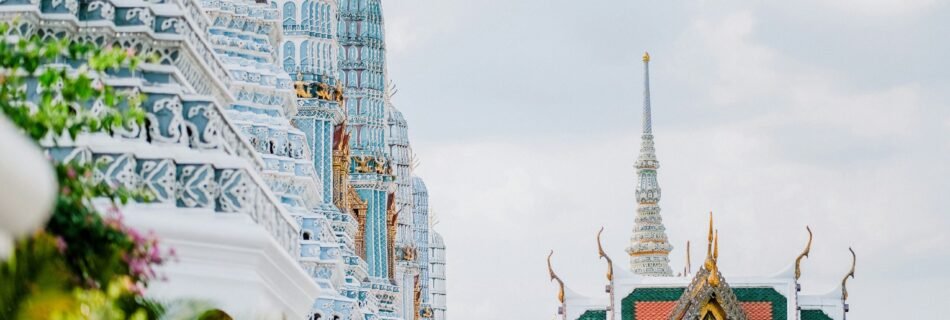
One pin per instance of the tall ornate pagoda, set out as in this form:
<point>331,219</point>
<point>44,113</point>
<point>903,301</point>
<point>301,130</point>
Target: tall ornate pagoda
<point>649,248</point>
<point>649,291</point>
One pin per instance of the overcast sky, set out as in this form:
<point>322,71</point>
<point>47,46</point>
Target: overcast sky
<point>525,115</point>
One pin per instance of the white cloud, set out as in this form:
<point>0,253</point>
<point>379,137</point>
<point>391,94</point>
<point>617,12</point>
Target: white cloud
<point>877,8</point>
<point>411,27</point>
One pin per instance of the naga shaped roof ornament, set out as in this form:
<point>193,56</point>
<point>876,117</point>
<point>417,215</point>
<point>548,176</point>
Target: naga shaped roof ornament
<point>798,261</point>
<point>603,255</point>
<point>610,275</point>
<point>844,281</point>
<point>554,277</point>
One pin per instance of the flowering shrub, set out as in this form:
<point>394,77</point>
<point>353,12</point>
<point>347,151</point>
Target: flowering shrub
<point>84,264</point>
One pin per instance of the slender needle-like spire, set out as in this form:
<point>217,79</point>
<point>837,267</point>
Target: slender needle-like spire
<point>647,117</point>
<point>649,247</point>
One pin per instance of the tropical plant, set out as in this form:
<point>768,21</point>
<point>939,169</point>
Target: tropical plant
<point>85,264</point>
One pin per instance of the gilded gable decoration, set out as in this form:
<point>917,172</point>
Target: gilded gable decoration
<point>708,296</point>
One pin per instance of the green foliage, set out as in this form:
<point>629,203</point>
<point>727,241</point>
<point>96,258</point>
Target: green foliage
<point>186,309</point>
<point>39,274</point>
<point>97,249</point>
<point>214,315</point>
<point>35,269</point>
<point>84,265</point>
<point>58,103</point>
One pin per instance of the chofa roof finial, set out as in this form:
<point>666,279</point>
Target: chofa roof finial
<point>646,56</point>
<point>798,261</point>
<point>554,277</point>
<point>844,281</point>
<point>600,251</point>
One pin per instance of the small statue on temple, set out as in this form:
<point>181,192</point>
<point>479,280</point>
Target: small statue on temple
<point>381,166</point>
<point>300,87</point>
<point>362,164</point>
<point>338,94</point>
<point>323,91</point>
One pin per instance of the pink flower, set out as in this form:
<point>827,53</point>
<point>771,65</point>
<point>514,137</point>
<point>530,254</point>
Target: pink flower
<point>60,244</point>
<point>135,288</point>
<point>66,191</point>
<point>135,236</point>
<point>114,211</point>
<point>154,255</point>
<point>111,222</point>
<point>130,52</point>
<point>137,267</point>
<point>71,173</point>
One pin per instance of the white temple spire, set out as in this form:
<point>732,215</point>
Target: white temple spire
<point>649,248</point>
<point>647,117</point>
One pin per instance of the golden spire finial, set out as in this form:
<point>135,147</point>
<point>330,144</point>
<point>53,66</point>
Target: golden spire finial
<point>716,247</point>
<point>560,292</point>
<point>712,254</point>
<point>713,267</point>
<point>646,56</point>
<point>798,261</point>
<point>844,282</point>
<point>600,251</point>
<point>709,244</point>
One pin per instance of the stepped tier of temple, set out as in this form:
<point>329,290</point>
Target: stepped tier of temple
<point>281,169</point>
